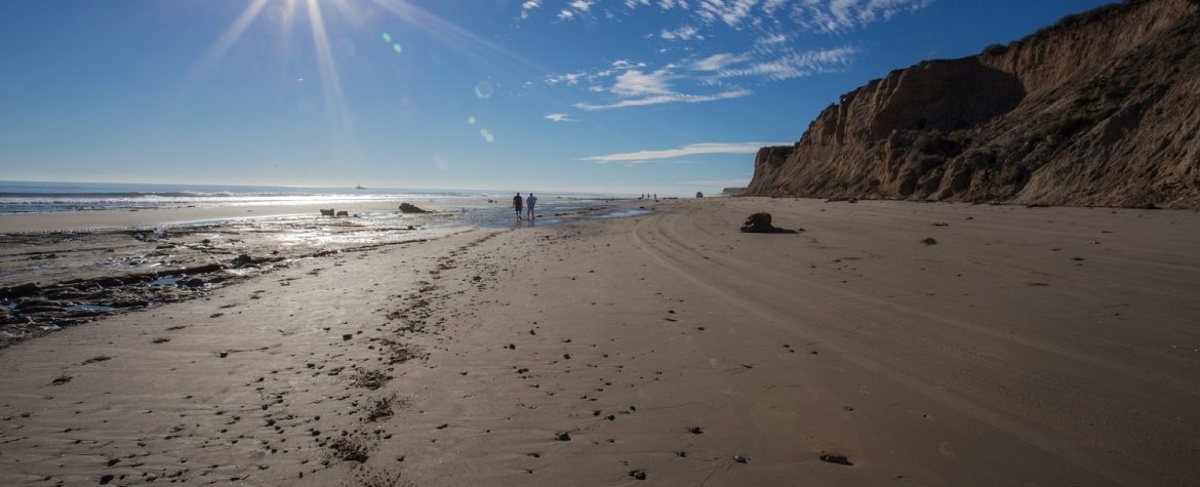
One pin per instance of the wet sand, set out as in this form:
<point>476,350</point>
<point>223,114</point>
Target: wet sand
<point>887,343</point>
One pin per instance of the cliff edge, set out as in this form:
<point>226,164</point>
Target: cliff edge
<point>1101,109</point>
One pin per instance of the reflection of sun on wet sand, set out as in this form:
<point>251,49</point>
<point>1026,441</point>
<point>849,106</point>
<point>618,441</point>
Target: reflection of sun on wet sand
<point>668,347</point>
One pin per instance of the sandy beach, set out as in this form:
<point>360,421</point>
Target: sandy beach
<point>882,343</point>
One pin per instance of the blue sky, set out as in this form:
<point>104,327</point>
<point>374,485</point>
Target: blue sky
<point>617,96</point>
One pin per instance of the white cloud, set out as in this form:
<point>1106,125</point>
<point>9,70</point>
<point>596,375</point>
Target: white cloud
<point>527,6</point>
<point>582,5</point>
<point>667,98</point>
<point>637,83</point>
<point>569,79</point>
<point>685,33</point>
<point>625,64</point>
<point>566,15</point>
<point>687,150</point>
<point>559,117</point>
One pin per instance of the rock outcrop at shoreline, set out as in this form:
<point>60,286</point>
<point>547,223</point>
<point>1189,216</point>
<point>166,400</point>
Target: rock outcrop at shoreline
<point>1098,109</point>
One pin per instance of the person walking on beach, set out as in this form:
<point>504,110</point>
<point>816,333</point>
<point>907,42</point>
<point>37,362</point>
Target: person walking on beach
<point>529,202</point>
<point>517,204</point>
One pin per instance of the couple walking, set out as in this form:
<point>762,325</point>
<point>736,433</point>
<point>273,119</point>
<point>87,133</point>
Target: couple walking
<point>528,202</point>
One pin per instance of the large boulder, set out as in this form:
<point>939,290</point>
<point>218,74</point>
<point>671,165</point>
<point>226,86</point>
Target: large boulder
<point>761,223</point>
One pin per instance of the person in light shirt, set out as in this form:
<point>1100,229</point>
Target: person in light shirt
<point>529,202</point>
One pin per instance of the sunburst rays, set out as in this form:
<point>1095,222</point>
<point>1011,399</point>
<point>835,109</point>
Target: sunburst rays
<point>490,57</point>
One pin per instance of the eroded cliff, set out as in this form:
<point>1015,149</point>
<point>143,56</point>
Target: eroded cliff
<point>1099,109</point>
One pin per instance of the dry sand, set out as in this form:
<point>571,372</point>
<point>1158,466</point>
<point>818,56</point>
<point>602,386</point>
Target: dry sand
<point>1028,346</point>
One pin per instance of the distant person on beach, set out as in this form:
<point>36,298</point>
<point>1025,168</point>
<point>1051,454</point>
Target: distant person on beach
<point>529,202</point>
<point>517,204</point>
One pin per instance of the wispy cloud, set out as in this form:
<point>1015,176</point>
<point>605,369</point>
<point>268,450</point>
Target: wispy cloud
<point>718,62</point>
<point>730,12</point>
<point>717,183</point>
<point>559,117</point>
<point>687,150</point>
<point>771,52</point>
<point>831,16</point>
<point>685,33</point>
<point>666,98</point>
<point>794,64</point>
<point>826,16</point>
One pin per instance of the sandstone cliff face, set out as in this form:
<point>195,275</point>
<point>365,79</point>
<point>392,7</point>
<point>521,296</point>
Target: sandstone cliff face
<point>1099,109</point>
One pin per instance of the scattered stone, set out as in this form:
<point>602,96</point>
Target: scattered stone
<point>564,436</point>
<point>929,241</point>
<point>740,459</point>
<point>835,458</point>
<point>695,430</point>
<point>638,474</point>
<point>98,358</point>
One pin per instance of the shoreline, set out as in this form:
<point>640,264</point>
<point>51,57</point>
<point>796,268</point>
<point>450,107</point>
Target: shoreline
<point>668,346</point>
<point>143,219</point>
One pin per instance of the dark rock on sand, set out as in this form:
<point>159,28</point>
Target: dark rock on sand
<point>835,458</point>
<point>761,223</point>
<point>20,291</point>
<point>411,208</point>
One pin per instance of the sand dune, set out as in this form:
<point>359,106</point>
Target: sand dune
<point>1027,346</point>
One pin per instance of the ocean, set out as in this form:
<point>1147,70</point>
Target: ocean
<point>25,197</point>
<point>454,207</point>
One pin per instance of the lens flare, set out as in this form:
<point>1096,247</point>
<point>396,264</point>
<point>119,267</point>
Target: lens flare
<point>486,135</point>
<point>387,38</point>
<point>470,120</point>
<point>397,48</point>
<point>484,90</point>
